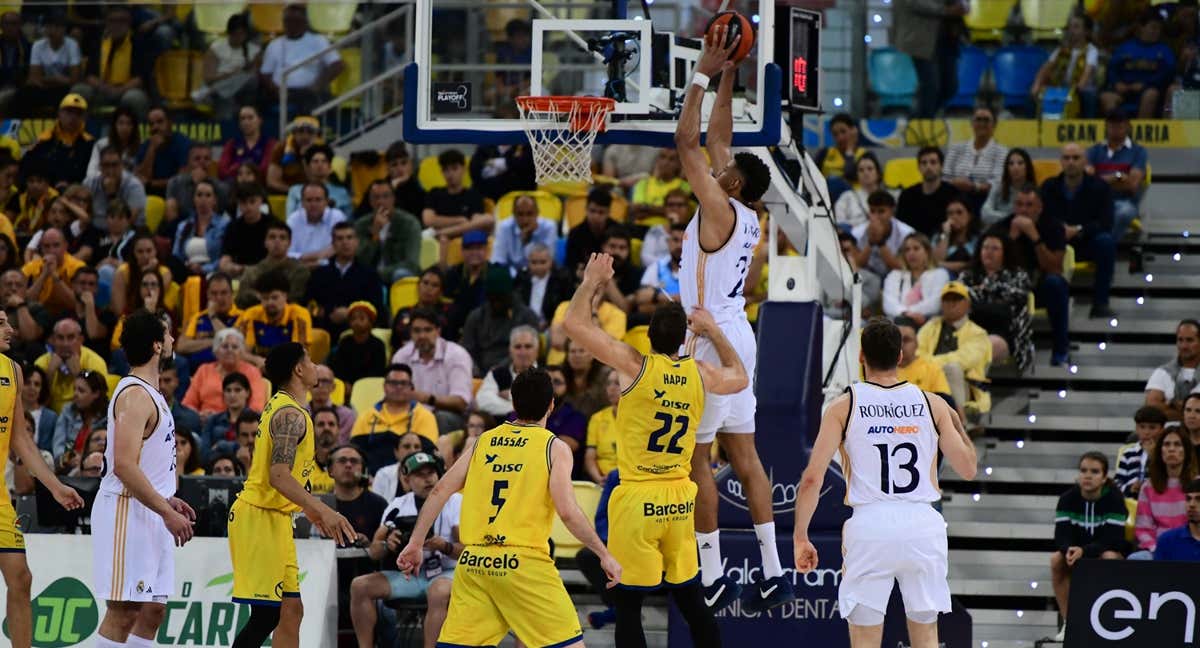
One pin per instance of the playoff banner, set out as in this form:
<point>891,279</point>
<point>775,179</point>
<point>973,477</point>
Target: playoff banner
<point>1133,604</point>
<point>65,613</point>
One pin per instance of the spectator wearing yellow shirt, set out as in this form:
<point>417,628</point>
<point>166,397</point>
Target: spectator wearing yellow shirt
<point>274,321</point>
<point>650,193</point>
<point>30,205</point>
<point>196,342</point>
<point>378,429</point>
<point>600,457</point>
<point>325,430</point>
<point>610,318</point>
<point>50,275</point>
<point>960,346</point>
<point>65,359</point>
<point>916,368</point>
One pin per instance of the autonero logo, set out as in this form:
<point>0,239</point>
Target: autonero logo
<point>1127,607</point>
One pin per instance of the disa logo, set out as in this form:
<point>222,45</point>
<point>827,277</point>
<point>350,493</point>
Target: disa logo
<point>64,614</point>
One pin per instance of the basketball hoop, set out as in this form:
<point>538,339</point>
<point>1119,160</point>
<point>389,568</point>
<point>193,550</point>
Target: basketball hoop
<point>562,131</point>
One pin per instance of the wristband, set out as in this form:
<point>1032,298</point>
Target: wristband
<point>701,79</point>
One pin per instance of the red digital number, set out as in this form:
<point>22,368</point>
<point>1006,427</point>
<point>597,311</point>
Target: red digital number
<point>800,74</point>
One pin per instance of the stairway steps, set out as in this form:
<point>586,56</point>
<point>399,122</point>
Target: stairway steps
<point>1110,424</point>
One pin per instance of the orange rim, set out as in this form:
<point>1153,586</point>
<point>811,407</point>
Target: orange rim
<point>581,108</point>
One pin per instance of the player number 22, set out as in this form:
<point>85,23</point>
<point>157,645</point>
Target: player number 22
<point>498,498</point>
<point>672,447</point>
<point>885,467</point>
<point>743,264</point>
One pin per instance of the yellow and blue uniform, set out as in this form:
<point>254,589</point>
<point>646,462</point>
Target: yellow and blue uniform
<point>262,334</point>
<point>201,326</point>
<point>505,577</point>
<point>265,569</point>
<point>11,539</point>
<point>650,514</point>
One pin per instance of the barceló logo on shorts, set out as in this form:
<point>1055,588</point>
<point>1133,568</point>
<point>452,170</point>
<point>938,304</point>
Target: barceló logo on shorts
<point>502,561</point>
<point>650,509</point>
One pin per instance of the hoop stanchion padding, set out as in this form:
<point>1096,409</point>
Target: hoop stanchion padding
<point>561,132</point>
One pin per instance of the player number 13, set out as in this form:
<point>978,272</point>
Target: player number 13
<point>885,468</point>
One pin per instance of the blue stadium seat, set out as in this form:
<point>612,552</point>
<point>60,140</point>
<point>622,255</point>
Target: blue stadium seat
<point>972,65</point>
<point>892,77</point>
<point>1015,68</point>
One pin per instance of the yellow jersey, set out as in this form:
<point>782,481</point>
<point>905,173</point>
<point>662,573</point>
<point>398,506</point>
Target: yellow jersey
<point>258,490</point>
<point>506,499</point>
<point>8,403</point>
<point>657,420</point>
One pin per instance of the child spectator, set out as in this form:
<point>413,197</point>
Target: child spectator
<point>359,354</point>
<point>1133,460</point>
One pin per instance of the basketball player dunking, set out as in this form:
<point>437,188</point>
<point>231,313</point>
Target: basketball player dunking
<point>717,249</point>
<point>889,433</point>
<point>15,434</point>
<point>136,519</point>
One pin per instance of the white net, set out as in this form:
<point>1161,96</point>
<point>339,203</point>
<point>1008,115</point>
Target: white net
<point>562,131</point>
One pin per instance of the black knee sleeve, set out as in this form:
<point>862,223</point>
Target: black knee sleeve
<point>260,625</point>
<point>628,604</point>
<point>701,623</point>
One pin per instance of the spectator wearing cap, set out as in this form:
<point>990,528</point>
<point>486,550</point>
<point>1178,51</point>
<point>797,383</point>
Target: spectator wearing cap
<point>308,85</point>
<point>409,195</point>
<point>378,429</point>
<point>312,226</point>
<point>1140,69</point>
<point>14,59</point>
<point>515,235</point>
<point>494,396</point>
<point>1121,164</point>
<point>455,209</point>
<point>113,182</point>
<point>182,187</point>
<point>1172,382</point>
<point>542,285</point>
<point>359,354</point>
<point>389,237</point>
<point>1183,542</point>
<point>464,282</point>
<point>958,345</point>
<point>246,236</point>
<point>1133,459</point>
<point>586,238</point>
<point>54,64</point>
<point>163,155</point>
<point>321,398</point>
<point>880,239</point>
<point>118,70</point>
<point>318,169</point>
<point>342,281</point>
<point>485,335</point>
<point>286,166</point>
<point>441,370</point>
<point>66,147</point>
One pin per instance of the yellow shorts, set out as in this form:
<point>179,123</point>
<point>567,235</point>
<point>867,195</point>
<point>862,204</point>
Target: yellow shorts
<point>11,538</point>
<point>651,532</point>
<point>497,589</point>
<point>265,569</point>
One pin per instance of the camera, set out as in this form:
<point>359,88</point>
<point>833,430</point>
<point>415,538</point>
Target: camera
<point>404,525</point>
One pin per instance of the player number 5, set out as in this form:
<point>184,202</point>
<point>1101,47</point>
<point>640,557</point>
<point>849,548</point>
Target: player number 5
<point>498,498</point>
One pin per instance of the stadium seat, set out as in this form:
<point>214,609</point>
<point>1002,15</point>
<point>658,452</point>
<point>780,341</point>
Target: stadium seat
<point>211,17</point>
<point>429,252</point>
<point>549,205</point>
<point>635,250</point>
<point>319,344</point>
<point>156,207</point>
<point>365,167</point>
<point>892,78</point>
<point>1014,68</point>
<point>587,495</point>
<point>568,189</point>
<point>1043,170</point>
<point>901,173</point>
<point>987,19</point>
<point>191,298</point>
<point>278,205</point>
<point>454,252</point>
<point>332,17</point>
<point>403,293</point>
<point>351,76</point>
<point>111,380</point>
<point>972,65</point>
<point>638,337</point>
<point>1046,18</point>
<point>364,393</point>
<point>429,173</point>
<point>267,17</point>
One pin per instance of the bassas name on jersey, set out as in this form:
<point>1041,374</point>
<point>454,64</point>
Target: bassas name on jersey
<point>891,410</point>
<point>508,442</point>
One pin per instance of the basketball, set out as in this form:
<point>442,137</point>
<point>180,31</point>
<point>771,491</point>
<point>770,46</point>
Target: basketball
<point>738,25</point>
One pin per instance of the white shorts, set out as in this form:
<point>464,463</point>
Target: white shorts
<point>732,413</point>
<point>133,554</point>
<point>886,542</point>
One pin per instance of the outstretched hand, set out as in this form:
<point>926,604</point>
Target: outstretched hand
<point>715,55</point>
<point>701,321</point>
<point>599,268</point>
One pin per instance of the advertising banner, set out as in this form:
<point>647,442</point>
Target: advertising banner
<point>1133,604</point>
<point>199,613</point>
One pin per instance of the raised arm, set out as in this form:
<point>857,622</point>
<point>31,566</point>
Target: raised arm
<point>287,429</point>
<point>30,457</point>
<point>135,410</point>
<point>720,121</point>
<point>718,216</point>
<point>584,331</point>
<point>829,438</point>
<point>563,494</point>
<point>730,377</point>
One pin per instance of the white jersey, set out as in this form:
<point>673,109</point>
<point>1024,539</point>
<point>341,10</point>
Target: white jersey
<point>157,458</point>
<point>890,446</point>
<point>716,280</point>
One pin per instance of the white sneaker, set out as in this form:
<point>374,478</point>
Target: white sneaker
<point>1062,634</point>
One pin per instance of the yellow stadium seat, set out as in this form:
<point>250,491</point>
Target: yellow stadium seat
<point>574,210</point>
<point>211,17</point>
<point>638,337</point>
<point>338,164</point>
<point>635,250</point>
<point>362,174</point>
<point>987,18</point>
<point>332,17</point>
<point>278,206</point>
<point>566,189</point>
<point>156,207</point>
<point>171,297</point>
<point>429,173</point>
<point>191,298</point>
<point>901,173</point>
<point>549,205</point>
<point>403,293</point>
<point>1045,169</point>
<point>351,76</point>
<point>587,495</point>
<point>454,252</point>
<point>429,252</point>
<point>620,208</point>
<point>319,343</point>
<point>267,17</point>
<point>1046,17</point>
<point>109,379</point>
<point>364,393</point>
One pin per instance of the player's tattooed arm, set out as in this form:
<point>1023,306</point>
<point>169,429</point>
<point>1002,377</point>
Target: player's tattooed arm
<point>287,428</point>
